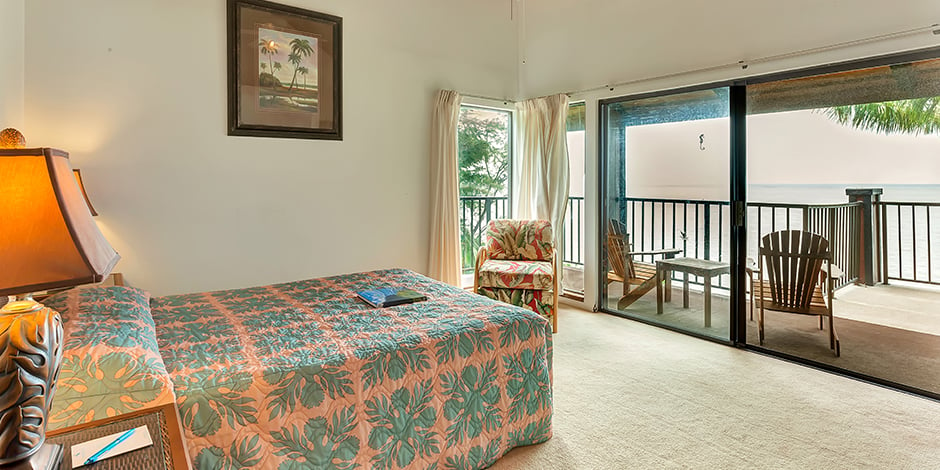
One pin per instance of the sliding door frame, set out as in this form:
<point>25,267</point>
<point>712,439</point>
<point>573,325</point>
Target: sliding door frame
<point>738,200</point>
<point>737,246</point>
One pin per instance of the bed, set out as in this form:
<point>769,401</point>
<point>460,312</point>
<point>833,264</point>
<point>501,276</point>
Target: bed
<point>305,375</point>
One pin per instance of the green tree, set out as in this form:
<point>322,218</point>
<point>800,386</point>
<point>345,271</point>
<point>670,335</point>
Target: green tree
<point>299,48</point>
<point>914,116</point>
<point>303,71</point>
<point>483,155</point>
<point>276,67</point>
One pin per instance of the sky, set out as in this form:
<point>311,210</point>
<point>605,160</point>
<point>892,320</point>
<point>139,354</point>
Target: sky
<point>283,39</point>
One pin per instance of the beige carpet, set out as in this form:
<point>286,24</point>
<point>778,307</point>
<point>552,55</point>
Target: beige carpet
<point>629,395</point>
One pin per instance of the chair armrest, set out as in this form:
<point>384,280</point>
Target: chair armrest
<point>482,256</point>
<point>667,252</point>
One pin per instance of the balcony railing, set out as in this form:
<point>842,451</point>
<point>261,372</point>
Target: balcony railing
<point>476,212</point>
<point>702,229</point>
<point>906,232</point>
<point>907,236</point>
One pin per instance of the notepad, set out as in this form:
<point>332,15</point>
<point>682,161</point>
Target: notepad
<point>138,440</point>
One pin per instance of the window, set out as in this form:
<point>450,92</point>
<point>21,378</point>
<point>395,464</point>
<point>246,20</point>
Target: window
<point>573,250</point>
<point>484,143</point>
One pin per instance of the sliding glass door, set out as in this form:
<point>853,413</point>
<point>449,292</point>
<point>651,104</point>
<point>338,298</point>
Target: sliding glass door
<point>813,194</point>
<point>665,216</point>
<point>854,158</point>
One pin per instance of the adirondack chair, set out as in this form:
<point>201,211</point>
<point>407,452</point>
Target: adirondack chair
<point>796,264</point>
<point>638,277</point>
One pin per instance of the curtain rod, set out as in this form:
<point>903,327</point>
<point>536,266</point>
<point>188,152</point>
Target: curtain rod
<point>934,28</point>
<point>504,100</point>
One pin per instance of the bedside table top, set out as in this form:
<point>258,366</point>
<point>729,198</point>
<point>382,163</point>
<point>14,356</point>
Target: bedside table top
<point>166,453</point>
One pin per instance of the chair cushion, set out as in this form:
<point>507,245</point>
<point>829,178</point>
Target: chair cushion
<point>536,275</point>
<point>520,239</point>
<point>539,301</point>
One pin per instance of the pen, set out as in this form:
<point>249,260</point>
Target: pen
<point>94,458</point>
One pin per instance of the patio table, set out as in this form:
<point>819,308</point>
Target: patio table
<point>699,267</point>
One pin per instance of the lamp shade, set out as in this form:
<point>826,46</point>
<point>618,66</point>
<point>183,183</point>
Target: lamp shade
<point>81,185</point>
<point>48,239</point>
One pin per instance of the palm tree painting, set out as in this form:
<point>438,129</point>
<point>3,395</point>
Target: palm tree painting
<point>278,84</point>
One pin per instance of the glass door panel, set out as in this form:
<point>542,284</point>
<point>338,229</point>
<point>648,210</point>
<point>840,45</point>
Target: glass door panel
<point>665,211</point>
<point>852,157</point>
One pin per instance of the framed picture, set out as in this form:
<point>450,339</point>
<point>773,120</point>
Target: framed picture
<point>284,71</point>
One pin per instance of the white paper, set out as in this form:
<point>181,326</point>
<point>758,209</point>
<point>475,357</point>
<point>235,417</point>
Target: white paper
<point>138,440</point>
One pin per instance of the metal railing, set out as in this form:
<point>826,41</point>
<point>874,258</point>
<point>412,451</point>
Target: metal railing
<point>701,228</point>
<point>476,212</point>
<point>840,224</point>
<point>906,241</point>
<point>573,250</point>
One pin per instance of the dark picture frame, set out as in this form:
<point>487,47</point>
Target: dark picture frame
<point>284,71</point>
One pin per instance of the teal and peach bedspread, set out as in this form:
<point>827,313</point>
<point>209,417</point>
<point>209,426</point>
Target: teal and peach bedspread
<point>305,375</point>
<point>110,361</point>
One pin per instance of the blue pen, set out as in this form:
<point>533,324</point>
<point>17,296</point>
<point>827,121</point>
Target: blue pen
<point>120,439</point>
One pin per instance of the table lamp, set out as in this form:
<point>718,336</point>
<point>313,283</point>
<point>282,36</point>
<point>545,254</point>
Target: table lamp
<point>81,185</point>
<point>48,240</point>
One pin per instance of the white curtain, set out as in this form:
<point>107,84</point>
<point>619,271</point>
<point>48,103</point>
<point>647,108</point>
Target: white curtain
<point>543,176</point>
<point>444,256</point>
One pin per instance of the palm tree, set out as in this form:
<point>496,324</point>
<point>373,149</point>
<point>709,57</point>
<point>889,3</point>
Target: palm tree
<point>915,116</point>
<point>303,71</point>
<point>294,58</point>
<point>277,67</point>
<point>299,48</point>
<point>268,48</point>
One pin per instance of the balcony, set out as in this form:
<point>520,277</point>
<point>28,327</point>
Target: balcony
<point>886,297</point>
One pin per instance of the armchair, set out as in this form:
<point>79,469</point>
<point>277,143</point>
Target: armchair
<point>519,265</point>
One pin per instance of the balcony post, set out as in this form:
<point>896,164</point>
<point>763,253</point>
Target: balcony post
<point>868,262</point>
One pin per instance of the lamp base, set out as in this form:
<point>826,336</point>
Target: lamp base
<point>49,457</point>
<point>30,355</point>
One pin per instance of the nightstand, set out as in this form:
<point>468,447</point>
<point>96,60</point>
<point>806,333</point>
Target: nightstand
<point>168,451</point>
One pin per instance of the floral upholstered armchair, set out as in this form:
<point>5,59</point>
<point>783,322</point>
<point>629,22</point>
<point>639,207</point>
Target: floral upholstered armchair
<point>518,265</point>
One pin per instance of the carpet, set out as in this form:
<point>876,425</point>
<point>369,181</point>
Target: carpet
<point>629,395</point>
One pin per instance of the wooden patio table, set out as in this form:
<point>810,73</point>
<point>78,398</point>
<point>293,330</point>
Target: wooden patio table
<point>699,267</point>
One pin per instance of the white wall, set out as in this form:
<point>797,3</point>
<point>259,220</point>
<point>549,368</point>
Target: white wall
<point>573,46</point>
<point>12,37</point>
<point>136,91</point>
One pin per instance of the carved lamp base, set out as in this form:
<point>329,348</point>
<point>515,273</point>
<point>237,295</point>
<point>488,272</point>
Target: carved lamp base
<point>30,355</point>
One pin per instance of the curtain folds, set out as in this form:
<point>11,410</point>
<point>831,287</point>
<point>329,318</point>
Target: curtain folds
<point>543,176</point>
<point>444,255</point>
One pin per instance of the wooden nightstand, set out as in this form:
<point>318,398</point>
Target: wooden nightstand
<point>168,451</point>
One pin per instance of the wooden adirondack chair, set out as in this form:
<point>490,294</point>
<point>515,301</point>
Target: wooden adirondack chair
<point>638,277</point>
<point>796,264</point>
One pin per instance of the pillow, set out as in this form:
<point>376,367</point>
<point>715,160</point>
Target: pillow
<point>110,360</point>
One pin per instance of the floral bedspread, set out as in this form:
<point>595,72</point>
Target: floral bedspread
<point>110,361</point>
<point>306,375</point>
